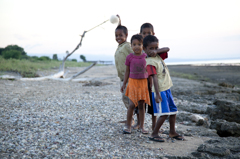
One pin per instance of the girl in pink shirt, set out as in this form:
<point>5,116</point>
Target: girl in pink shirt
<point>137,89</point>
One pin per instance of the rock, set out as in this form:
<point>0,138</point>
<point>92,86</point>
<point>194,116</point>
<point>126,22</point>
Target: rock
<point>200,122</point>
<point>219,147</point>
<point>191,107</point>
<point>200,155</point>
<point>95,83</point>
<point>196,118</point>
<point>223,84</point>
<point>225,129</point>
<point>214,150</point>
<point>183,116</point>
<point>225,109</point>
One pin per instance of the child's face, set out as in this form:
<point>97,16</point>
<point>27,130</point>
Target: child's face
<point>137,47</point>
<point>146,31</point>
<point>151,48</point>
<point>120,36</point>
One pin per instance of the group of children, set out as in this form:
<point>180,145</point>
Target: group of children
<point>145,80</point>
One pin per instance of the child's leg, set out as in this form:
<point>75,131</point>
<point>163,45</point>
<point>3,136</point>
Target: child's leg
<point>172,132</point>
<point>154,120</point>
<point>125,99</point>
<point>141,108</point>
<point>137,124</point>
<point>159,123</point>
<point>172,120</point>
<point>129,117</point>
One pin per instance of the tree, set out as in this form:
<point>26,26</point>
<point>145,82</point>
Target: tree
<point>83,58</point>
<point>55,57</point>
<point>44,58</point>
<point>15,47</point>
<point>14,54</point>
<point>1,50</point>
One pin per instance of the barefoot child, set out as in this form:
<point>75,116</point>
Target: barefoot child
<point>161,93</point>
<point>123,50</point>
<point>147,29</point>
<point>137,89</point>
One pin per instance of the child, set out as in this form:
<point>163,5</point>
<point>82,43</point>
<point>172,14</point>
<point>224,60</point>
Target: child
<point>161,90</point>
<point>123,50</point>
<point>147,29</point>
<point>137,89</point>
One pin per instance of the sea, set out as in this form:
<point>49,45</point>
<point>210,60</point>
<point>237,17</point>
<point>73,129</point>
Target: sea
<point>169,61</point>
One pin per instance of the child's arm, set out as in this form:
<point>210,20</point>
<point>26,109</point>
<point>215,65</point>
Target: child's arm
<point>155,82</point>
<point>150,82</point>
<point>162,50</point>
<point>126,76</point>
<point>159,52</point>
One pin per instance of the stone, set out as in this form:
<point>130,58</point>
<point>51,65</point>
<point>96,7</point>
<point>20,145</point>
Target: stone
<point>214,150</point>
<point>225,109</point>
<point>196,118</point>
<point>225,129</point>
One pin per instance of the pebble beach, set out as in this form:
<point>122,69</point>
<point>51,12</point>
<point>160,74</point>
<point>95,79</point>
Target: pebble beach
<point>55,119</point>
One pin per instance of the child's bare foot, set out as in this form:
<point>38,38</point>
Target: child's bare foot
<point>143,131</point>
<point>136,126</point>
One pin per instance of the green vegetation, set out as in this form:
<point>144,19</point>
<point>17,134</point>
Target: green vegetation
<point>83,58</point>
<point>188,76</point>
<point>7,54</point>
<point>13,51</point>
<point>14,58</point>
<point>55,57</point>
<point>29,68</point>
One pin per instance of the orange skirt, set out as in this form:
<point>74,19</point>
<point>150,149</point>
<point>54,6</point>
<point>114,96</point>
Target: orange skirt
<point>137,90</point>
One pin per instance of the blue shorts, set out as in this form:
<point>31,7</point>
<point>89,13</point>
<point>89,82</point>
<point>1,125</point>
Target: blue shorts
<point>166,107</point>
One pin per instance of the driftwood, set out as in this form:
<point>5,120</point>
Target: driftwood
<point>60,75</point>
<point>57,76</point>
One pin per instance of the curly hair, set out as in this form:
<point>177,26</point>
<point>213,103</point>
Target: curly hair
<point>137,37</point>
<point>149,39</point>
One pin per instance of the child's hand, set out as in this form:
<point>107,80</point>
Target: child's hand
<point>158,98</point>
<point>153,53</point>
<point>123,87</point>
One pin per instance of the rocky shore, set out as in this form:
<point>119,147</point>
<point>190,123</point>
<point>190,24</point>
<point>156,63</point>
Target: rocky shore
<point>55,119</point>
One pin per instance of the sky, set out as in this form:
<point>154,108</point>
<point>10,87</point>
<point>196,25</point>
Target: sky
<point>192,29</point>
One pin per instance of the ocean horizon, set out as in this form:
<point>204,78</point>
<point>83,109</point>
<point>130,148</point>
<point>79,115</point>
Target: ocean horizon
<point>168,61</point>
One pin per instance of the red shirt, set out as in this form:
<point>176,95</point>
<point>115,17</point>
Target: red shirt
<point>163,55</point>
